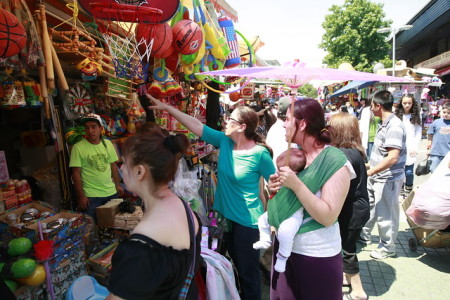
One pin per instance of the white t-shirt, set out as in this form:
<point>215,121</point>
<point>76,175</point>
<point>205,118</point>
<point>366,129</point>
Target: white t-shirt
<point>323,242</point>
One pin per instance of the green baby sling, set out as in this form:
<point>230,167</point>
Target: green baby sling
<point>285,203</point>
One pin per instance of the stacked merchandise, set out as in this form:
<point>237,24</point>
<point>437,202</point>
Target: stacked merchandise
<point>68,262</point>
<point>66,230</point>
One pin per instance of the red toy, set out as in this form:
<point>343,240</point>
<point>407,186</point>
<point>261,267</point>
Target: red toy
<point>13,36</point>
<point>187,36</point>
<point>162,38</point>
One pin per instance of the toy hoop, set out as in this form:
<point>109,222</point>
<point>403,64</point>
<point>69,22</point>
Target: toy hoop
<point>122,12</point>
<point>226,92</point>
<point>117,22</point>
<point>250,48</point>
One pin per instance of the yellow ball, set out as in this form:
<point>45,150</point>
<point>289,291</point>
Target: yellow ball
<point>34,279</point>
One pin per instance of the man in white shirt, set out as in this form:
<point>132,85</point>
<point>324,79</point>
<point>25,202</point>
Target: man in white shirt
<point>276,137</point>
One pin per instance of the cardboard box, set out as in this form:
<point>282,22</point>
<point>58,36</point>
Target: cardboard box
<point>75,227</point>
<point>107,212</point>
<point>100,263</point>
<point>41,206</point>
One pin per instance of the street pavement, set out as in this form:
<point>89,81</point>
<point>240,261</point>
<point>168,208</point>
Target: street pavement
<point>424,274</point>
<point>412,275</point>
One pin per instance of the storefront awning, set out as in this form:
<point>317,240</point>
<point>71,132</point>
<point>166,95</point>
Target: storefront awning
<point>352,87</point>
<point>443,71</point>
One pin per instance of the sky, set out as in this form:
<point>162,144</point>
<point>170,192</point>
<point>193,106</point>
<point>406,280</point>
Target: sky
<point>292,29</point>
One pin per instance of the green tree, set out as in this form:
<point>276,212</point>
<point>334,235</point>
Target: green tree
<point>308,91</point>
<point>351,35</point>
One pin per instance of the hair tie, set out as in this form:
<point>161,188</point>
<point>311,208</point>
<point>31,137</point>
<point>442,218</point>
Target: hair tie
<point>325,129</point>
<point>169,142</point>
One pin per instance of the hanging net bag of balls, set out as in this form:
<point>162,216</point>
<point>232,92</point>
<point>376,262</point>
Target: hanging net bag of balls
<point>117,25</point>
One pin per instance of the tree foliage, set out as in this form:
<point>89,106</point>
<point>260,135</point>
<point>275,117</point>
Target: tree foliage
<point>308,91</point>
<point>351,35</point>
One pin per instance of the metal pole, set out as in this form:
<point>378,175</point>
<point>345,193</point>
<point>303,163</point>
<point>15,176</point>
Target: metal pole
<point>393,50</point>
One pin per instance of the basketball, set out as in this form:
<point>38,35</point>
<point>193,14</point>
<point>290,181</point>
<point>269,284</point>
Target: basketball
<point>13,36</point>
<point>235,96</point>
<point>161,35</point>
<point>172,61</point>
<point>187,36</point>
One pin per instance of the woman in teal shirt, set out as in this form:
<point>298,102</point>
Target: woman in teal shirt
<point>243,159</point>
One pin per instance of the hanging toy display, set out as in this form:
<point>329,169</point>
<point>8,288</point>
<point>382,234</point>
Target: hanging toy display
<point>89,69</point>
<point>13,36</point>
<point>135,111</point>
<point>13,95</point>
<point>80,100</point>
<point>233,59</point>
<point>31,90</point>
<point>74,134</point>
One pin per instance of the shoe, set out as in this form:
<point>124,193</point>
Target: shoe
<point>382,254</point>
<point>365,242</point>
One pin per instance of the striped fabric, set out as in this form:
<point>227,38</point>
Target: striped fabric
<point>193,249</point>
<point>185,289</point>
<point>228,31</point>
<point>391,134</point>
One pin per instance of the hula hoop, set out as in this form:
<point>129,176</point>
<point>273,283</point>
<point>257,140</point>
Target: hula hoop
<point>227,83</point>
<point>225,92</point>
<point>251,53</point>
<point>249,46</point>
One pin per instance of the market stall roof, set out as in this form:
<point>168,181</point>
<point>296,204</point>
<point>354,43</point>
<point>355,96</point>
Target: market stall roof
<point>223,5</point>
<point>352,87</point>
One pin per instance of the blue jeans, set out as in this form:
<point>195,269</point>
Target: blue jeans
<point>435,161</point>
<point>409,174</point>
<point>239,243</point>
<point>95,202</point>
<point>369,150</point>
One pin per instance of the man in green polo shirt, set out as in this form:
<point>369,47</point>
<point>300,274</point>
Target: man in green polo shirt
<point>94,170</point>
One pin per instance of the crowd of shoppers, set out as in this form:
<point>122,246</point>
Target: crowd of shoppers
<point>346,176</point>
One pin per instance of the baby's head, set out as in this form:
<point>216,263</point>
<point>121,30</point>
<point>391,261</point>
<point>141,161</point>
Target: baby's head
<point>297,159</point>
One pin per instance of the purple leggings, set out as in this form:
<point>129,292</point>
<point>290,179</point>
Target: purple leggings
<point>307,278</point>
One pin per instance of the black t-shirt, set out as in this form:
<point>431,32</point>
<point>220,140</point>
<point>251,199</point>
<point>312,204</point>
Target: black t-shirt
<point>356,210</point>
<point>144,269</point>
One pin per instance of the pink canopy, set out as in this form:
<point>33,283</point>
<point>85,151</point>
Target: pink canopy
<point>297,74</point>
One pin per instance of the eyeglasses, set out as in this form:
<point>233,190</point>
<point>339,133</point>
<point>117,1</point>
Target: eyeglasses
<point>228,119</point>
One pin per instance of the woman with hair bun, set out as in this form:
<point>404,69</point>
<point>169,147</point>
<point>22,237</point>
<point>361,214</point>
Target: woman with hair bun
<point>314,269</point>
<point>243,159</point>
<point>165,245</point>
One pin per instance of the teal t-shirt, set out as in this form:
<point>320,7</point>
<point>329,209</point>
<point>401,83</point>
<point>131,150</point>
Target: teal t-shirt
<point>239,171</point>
<point>95,163</point>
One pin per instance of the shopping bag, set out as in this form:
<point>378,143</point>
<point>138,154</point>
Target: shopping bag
<point>423,168</point>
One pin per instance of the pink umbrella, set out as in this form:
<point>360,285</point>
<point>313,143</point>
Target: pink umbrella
<point>297,74</point>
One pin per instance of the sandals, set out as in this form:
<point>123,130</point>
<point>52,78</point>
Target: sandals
<point>348,296</point>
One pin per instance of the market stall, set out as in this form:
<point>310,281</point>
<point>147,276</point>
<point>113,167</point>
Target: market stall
<point>63,61</point>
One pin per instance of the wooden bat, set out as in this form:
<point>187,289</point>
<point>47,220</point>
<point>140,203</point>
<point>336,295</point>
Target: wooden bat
<point>46,47</point>
<point>59,71</point>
